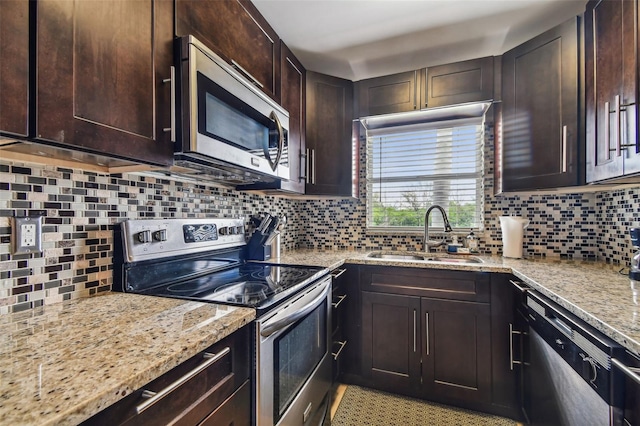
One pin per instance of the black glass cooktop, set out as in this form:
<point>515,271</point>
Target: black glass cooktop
<point>222,280</point>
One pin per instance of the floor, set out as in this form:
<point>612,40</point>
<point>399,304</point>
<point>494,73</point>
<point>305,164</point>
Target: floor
<point>355,406</point>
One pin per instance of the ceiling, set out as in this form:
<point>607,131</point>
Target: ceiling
<point>358,39</point>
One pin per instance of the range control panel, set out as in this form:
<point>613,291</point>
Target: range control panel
<point>157,238</point>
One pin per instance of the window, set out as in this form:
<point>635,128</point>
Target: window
<point>412,167</point>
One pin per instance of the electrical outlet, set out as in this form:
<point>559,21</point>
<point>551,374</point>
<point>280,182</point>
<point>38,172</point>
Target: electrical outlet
<point>26,234</point>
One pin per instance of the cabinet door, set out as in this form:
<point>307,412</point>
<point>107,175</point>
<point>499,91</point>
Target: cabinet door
<point>506,341</point>
<point>14,67</point>
<point>330,164</point>
<point>458,83</point>
<point>540,105</point>
<point>611,89</point>
<point>293,98</point>
<point>101,66</point>
<point>236,31</point>
<point>388,94</point>
<point>456,348</point>
<point>390,343</point>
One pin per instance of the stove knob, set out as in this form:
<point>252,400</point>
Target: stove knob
<point>232,230</point>
<point>240,229</point>
<point>144,236</point>
<point>223,231</point>
<point>160,235</point>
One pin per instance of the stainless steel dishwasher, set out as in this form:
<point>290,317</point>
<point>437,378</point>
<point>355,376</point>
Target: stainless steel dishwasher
<point>568,375</point>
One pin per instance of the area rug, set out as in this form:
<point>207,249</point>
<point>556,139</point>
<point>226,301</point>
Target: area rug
<point>361,406</point>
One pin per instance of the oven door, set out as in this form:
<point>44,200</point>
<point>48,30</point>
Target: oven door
<point>293,374</point>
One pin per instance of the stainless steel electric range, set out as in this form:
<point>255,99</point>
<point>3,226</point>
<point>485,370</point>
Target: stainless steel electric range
<point>204,260</point>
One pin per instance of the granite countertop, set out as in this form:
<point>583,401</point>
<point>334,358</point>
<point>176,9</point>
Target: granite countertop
<point>62,363</point>
<point>593,291</point>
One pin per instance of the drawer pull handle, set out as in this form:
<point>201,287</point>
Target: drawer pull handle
<point>337,354</point>
<point>338,273</point>
<point>154,397</point>
<point>340,299</point>
<point>518,286</point>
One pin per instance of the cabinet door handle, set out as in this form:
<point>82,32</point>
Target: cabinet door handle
<point>415,89</point>
<point>511,333</point>
<point>618,122</point>
<point>341,298</point>
<point>303,166</point>
<point>564,149</point>
<point>247,74</point>
<point>336,355</point>
<point>154,397</point>
<point>311,165</point>
<point>172,81</point>
<point>415,331</point>
<point>426,316</point>
<point>607,129</point>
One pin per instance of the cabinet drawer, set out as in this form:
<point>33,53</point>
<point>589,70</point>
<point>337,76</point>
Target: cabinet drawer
<point>441,284</point>
<point>189,392</point>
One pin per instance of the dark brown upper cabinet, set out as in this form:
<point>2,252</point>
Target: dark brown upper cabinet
<point>458,83</point>
<point>542,141</point>
<point>101,66</point>
<point>292,96</point>
<point>330,147</point>
<point>236,31</point>
<point>611,74</point>
<point>388,94</point>
<point>14,67</point>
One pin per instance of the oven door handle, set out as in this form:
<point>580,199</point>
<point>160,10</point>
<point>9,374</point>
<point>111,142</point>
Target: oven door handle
<point>276,326</point>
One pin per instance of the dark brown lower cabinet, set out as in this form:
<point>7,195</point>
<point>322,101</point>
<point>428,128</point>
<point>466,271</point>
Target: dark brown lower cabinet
<point>439,335</point>
<point>390,342</point>
<point>457,350</point>
<point>210,388</point>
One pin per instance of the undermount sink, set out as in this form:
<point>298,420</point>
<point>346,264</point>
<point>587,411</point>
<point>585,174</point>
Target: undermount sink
<point>396,256</point>
<point>456,259</point>
<point>425,258</point>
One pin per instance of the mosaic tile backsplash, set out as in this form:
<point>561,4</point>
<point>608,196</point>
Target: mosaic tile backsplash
<point>80,208</point>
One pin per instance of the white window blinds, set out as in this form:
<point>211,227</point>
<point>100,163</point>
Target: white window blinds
<point>410,168</point>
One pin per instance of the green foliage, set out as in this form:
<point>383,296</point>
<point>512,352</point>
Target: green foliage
<point>412,211</point>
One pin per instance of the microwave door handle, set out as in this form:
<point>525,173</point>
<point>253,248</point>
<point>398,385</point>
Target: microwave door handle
<point>274,163</point>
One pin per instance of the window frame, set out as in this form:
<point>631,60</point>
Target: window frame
<point>426,126</point>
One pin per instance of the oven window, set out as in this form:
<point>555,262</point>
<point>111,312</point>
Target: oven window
<point>297,353</point>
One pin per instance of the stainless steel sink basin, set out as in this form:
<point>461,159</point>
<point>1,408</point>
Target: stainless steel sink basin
<point>455,259</point>
<point>396,256</point>
<point>425,258</point>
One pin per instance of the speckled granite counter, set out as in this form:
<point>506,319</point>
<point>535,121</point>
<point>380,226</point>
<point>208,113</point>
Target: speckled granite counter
<point>65,362</point>
<point>595,292</point>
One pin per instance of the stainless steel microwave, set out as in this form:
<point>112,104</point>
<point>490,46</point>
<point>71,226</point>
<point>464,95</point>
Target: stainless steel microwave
<point>230,129</point>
